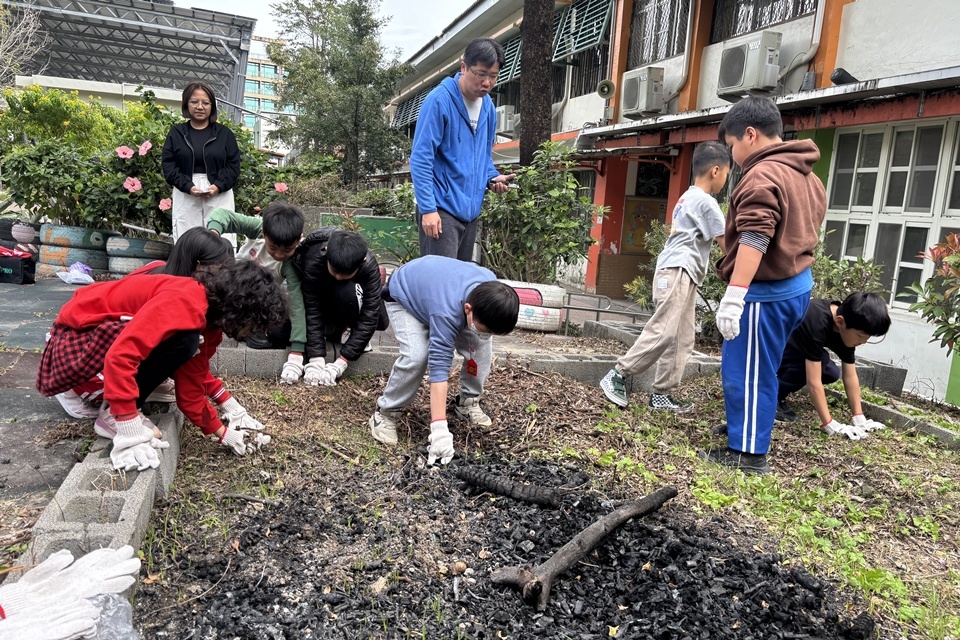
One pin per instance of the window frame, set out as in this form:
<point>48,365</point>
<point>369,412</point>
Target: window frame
<point>724,29</point>
<point>668,38</point>
<point>911,168</point>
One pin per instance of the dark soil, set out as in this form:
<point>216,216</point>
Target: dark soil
<point>369,553</point>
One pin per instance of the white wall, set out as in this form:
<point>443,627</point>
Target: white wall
<point>796,41</point>
<point>108,93</point>
<point>588,108</point>
<point>908,345</point>
<point>881,38</point>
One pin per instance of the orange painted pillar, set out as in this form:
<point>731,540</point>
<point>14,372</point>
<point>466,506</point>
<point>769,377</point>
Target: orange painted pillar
<point>610,192</point>
<point>619,50</point>
<point>826,59</point>
<point>679,179</point>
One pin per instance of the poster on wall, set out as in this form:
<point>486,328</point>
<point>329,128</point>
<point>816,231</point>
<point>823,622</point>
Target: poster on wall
<point>638,215</point>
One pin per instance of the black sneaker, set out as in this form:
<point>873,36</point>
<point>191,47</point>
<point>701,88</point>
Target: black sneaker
<point>258,342</point>
<point>785,413</point>
<point>666,402</point>
<point>746,462</point>
<point>719,430</point>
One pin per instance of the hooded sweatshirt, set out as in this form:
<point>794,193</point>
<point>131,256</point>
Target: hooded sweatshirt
<point>451,164</point>
<point>778,197</point>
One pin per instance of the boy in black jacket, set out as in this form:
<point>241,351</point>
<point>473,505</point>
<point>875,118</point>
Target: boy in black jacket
<point>341,292</point>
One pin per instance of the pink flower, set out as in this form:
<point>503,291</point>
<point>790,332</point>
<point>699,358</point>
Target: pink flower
<point>257,209</point>
<point>132,184</point>
<point>165,204</point>
<point>146,146</point>
<point>124,152</point>
<point>280,186</point>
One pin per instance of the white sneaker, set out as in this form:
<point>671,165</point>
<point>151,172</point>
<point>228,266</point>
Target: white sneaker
<point>105,425</point>
<point>469,409</point>
<point>346,336</point>
<point>75,406</point>
<point>383,426</point>
<point>163,393</point>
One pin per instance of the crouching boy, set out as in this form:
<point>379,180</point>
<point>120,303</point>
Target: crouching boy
<point>437,305</point>
<point>840,327</point>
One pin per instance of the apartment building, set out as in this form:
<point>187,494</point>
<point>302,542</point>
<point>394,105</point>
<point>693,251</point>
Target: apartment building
<point>873,82</point>
<point>260,94</point>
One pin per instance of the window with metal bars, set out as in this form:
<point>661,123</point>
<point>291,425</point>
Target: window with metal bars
<point>735,17</point>
<point>507,94</point>
<point>409,110</point>
<point>590,69</point>
<point>583,25</point>
<point>658,30</point>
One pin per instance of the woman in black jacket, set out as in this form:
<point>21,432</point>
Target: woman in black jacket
<point>201,160</point>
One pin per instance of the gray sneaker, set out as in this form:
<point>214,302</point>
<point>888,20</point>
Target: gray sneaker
<point>615,388</point>
<point>746,462</point>
<point>469,409</point>
<point>383,426</point>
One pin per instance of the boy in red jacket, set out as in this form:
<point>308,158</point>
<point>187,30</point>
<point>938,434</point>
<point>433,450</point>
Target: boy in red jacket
<point>141,330</point>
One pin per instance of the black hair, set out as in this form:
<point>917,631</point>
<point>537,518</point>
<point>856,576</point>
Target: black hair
<point>244,295</point>
<point>282,223</point>
<point>346,251</point>
<point>760,113</point>
<point>197,247</point>
<point>485,51</point>
<point>865,311</point>
<point>708,155</point>
<point>188,93</point>
<point>495,305</point>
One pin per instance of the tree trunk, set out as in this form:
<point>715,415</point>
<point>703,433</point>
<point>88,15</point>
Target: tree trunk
<point>535,583</point>
<point>536,86</point>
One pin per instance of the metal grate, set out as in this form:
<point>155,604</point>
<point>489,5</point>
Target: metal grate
<point>658,30</point>
<point>582,26</point>
<point>409,110</point>
<point>511,65</point>
<point>732,18</point>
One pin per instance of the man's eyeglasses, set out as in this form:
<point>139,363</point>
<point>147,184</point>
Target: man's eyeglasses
<point>197,103</point>
<point>492,77</point>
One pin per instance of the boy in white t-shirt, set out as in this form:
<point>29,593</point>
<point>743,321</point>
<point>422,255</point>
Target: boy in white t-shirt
<point>667,339</point>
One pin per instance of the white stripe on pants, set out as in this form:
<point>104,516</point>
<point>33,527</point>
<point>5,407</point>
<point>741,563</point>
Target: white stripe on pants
<point>189,211</point>
<point>407,373</point>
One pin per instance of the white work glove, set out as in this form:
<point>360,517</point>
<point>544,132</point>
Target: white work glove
<point>730,310</point>
<point>833,428</point>
<point>238,418</point>
<point>50,600</point>
<point>862,422</point>
<point>332,371</point>
<point>292,369</point>
<point>236,440</point>
<point>156,443</point>
<point>312,372</point>
<point>441,443</point>
<point>132,446</point>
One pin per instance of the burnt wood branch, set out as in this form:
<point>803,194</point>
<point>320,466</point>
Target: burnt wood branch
<point>498,484</point>
<point>535,583</point>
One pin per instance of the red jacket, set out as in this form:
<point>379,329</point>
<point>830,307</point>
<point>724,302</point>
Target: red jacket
<point>160,306</point>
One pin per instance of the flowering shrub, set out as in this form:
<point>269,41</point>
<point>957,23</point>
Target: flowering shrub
<point>38,115</point>
<point>938,301</point>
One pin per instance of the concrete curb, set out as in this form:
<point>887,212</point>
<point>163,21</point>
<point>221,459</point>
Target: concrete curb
<point>893,418</point>
<point>97,506</point>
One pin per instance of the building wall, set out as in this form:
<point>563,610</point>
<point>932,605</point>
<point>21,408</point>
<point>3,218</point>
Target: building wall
<point>796,41</point>
<point>908,345</point>
<point>588,108</point>
<point>881,38</point>
<point>108,93</point>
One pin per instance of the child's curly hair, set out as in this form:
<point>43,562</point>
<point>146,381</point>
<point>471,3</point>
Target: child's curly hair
<point>244,299</point>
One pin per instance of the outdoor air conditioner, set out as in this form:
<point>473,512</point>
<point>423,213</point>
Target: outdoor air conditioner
<point>506,119</point>
<point>750,63</point>
<point>642,92</point>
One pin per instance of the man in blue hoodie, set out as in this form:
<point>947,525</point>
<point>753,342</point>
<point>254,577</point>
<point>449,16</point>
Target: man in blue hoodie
<point>452,158</point>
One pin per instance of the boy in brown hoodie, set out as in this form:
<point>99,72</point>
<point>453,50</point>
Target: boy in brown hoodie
<point>772,229</point>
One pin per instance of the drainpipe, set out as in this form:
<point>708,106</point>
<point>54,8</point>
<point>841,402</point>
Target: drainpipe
<point>814,42</point>
<point>686,54</point>
<point>557,109</point>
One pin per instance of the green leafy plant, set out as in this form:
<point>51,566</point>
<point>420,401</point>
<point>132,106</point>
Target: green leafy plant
<point>34,115</point>
<point>527,232</point>
<point>836,279</point>
<point>937,301</point>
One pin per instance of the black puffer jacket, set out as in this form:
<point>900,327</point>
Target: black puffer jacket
<point>317,286</point>
<point>220,154</point>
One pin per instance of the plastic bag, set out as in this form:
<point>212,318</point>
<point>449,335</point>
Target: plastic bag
<point>116,618</point>
<point>77,273</point>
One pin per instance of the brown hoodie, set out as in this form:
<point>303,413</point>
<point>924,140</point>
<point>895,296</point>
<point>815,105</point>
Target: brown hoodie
<point>781,198</point>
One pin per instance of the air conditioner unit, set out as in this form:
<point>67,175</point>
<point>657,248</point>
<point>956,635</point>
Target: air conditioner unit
<point>749,63</point>
<point>641,92</point>
<point>506,117</point>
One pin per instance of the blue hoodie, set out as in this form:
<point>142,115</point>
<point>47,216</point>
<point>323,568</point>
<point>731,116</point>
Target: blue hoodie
<point>450,164</point>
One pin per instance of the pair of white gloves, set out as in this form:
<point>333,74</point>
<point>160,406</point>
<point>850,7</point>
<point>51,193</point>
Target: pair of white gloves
<point>52,600</point>
<point>314,373</point>
<point>239,425</point>
<point>858,430</point>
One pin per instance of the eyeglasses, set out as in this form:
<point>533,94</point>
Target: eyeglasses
<point>492,77</point>
<point>197,103</point>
